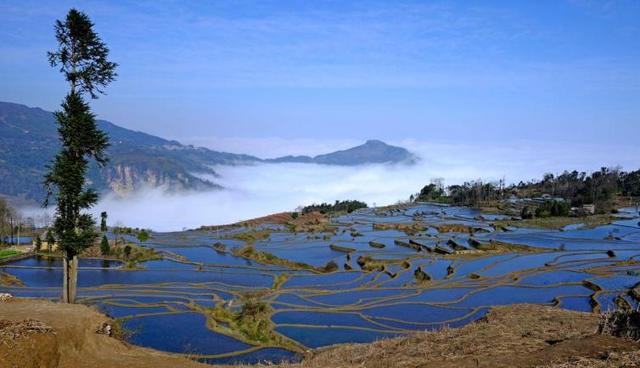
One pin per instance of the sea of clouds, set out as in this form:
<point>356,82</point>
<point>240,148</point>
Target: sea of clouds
<point>257,190</point>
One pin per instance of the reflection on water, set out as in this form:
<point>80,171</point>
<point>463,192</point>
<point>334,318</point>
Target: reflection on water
<point>161,302</point>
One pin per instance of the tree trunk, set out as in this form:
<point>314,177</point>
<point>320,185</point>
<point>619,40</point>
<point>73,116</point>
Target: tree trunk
<point>69,279</point>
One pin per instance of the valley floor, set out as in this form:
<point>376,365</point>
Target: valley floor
<point>40,333</point>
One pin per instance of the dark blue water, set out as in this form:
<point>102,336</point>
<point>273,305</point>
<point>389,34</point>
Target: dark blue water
<point>161,303</point>
<point>181,333</point>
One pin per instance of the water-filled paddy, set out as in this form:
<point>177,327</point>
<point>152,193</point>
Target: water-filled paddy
<point>180,333</point>
<point>165,304</point>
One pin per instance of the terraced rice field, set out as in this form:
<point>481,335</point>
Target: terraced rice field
<point>417,268</point>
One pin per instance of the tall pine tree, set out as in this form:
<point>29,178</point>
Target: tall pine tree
<point>82,58</point>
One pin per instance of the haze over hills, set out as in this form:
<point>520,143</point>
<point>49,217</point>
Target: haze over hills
<point>28,142</point>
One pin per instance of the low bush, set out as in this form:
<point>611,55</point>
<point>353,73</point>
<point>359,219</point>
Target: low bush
<point>621,323</point>
<point>553,209</point>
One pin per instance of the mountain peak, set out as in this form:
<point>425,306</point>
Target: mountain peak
<point>374,142</point>
<point>373,151</point>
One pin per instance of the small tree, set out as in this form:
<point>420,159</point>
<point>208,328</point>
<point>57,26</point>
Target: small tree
<point>50,240</point>
<point>526,213</point>
<point>38,243</point>
<point>82,58</point>
<point>143,236</point>
<point>105,249</point>
<point>127,251</point>
<point>7,214</point>
<point>103,221</point>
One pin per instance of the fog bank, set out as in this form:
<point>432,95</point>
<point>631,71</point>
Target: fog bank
<point>253,191</point>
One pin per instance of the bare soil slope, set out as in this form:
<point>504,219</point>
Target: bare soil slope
<point>40,333</point>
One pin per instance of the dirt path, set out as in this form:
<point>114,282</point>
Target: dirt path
<point>38,333</point>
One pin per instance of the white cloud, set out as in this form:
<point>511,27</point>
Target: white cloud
<point>264,189</point>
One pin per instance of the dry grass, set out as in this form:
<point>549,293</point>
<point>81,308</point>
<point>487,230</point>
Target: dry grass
<point>514,336</point>
<point>625,359</point>
<point>276,218</point>
<point>312,222</point>
<point>250,237</point>
<point>453,228</point>
<point>497,246</point>
<point>409,229</point>
<point>12,330</point>
<point>557,222</point>
<point>304,222</point>
<point>9,280</point>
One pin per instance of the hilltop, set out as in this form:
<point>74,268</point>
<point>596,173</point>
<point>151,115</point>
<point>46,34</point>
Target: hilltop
<point>372,151</point>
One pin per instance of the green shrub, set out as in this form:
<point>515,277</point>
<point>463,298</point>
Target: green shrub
<point>4,253</point>
<point>127,251</point>
<point>143,236</point>
<point>526,213</point>
<point>553,209</point>
<point>430,192</point>
<point>105,249</point>
<point>331,266</point>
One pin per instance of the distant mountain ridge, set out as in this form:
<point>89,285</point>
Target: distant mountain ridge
<point>29,141</point>
<point>371,152</point>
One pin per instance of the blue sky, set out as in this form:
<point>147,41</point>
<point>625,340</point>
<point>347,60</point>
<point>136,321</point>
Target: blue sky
<point>485,71</point>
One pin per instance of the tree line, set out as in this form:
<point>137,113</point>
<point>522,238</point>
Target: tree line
<point>578,188</point>
<point>347,206</point>
<point>471,193</point>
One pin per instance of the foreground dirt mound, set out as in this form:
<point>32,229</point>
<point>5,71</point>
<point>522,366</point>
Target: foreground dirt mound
<point>39,333</point>
<point>514,336</point>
